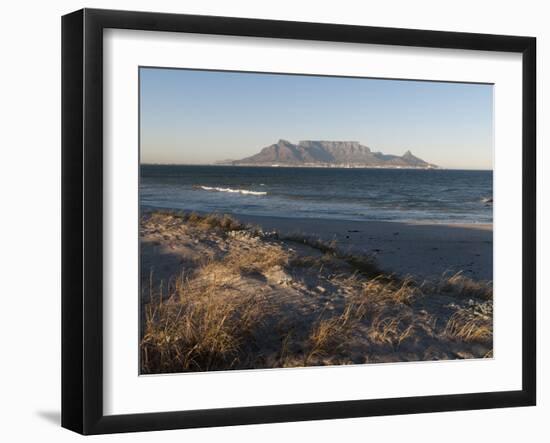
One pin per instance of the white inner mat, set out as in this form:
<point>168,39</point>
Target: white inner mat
<point>126,392</point>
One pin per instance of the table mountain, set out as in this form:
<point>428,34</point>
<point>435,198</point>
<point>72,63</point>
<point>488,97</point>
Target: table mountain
<point>329,153</point>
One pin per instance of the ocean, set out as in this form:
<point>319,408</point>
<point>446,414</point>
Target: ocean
<point>406,195</point>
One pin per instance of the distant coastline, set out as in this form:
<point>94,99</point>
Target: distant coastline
<point>225,164</point>
<point>327,165</point>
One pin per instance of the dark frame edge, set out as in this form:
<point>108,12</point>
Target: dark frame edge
<point>294,30</point>
<point>309,411</point>
<point>529,219</point>
<point>72,221</point>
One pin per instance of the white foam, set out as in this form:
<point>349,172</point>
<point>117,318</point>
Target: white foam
<point>233,191</point>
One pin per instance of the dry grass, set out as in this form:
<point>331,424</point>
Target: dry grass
<point>223,222</point>
<point>459,283</point>
<point>364,264</point>
<point>468,326</point>
<point>259,260</point>
<point>197,330</point>
<point>384,291</point>
<point>215,317</point>
<point>206,323</point>
<point>391,330</point>
<point>330,335</point>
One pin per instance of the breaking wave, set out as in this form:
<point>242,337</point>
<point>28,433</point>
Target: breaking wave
<point>231,190</point>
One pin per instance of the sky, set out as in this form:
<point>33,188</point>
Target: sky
<point>198,117</point>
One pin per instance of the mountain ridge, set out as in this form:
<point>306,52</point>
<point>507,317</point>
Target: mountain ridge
<point>329,153</point>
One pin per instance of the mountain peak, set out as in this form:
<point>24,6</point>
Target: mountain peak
<point>282,141</point>
<point>329,153</point>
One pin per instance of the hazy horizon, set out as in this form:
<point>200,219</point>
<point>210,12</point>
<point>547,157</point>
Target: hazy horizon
<point>202,117</point>
<point>294,167</point>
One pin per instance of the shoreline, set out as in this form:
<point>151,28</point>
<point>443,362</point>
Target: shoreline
<point>461,224</point>
<point>423,250</point>
<point>417,249</point>
<point>465,225</point>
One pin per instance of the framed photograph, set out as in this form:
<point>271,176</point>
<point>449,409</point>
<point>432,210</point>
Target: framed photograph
<point>268,221</point>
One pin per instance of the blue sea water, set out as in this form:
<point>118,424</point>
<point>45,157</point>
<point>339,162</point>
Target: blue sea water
<point>438,196</point>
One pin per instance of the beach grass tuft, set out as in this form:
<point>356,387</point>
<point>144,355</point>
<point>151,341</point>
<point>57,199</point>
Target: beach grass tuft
<point>202,327</point>
<point>459,283</point>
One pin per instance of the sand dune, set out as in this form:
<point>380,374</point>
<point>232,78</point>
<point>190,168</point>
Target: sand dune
<point>219,294</point>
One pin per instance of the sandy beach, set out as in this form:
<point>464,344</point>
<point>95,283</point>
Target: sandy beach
<point>223,293</point>
<point>420,250</point>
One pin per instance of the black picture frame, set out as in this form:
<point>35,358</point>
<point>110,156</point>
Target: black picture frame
<point>82,218</point>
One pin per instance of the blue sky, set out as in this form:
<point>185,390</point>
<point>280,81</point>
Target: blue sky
<point>194,116</point>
